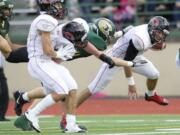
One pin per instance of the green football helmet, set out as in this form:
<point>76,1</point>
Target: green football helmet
<point>104,28</point>
<point>4,5</point>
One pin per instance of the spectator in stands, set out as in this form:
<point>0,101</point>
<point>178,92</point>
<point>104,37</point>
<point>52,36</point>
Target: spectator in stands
<point>107,11</point>
<point>32,4</point>
<point>85,6</point>
<point>177,15</point>
<point>73,8</point>
<point>161,7</point>
<point>141,7</point>
<point>125,13</point>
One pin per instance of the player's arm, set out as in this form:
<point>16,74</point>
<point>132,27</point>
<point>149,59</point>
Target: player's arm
<point>131,53</point>
<point>4,47</point>
<point>109,60</point>
<point>100,55</point>
<point>12,45</point>
<point>132,90</point>
<point>46,42</point>
<point>45,27</point>
<point>92,50</point>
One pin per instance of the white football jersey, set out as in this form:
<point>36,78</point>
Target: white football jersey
<point>59,39</point>
<point>140,38</point>
<point>43,22</point>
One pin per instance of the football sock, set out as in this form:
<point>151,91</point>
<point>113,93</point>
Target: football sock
<point>71,119</point>
<point>25,96</point>
<point>150,92</point>
<point>43,104</point>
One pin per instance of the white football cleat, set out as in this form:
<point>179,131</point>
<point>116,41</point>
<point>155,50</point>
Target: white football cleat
<point>74,129</point>
<point>33,120</point>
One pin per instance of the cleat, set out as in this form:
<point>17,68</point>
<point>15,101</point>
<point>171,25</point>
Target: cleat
<point>63,123</point>
<point>22,123</point>
<point>34,122</point>
<point>156,98</point>
<point>74,129</point>
<point>19,102</point>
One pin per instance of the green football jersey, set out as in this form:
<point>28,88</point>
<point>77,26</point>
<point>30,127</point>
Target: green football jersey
<point>94,39</point>
<point>4,28</point>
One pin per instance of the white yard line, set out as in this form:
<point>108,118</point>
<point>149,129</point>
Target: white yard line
<point>141,133</point>
<point>169,129</point>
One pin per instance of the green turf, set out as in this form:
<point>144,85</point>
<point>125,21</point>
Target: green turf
<point>107,125</point>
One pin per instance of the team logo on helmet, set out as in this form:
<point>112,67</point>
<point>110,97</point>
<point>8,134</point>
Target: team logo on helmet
<point>105,27</point>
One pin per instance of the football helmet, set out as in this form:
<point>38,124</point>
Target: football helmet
<point>75,33</point>
<point>104,28</point>
<point>56,8</point>
<point>158,29</point>
<point>6,5</point>
<point>82,22</point>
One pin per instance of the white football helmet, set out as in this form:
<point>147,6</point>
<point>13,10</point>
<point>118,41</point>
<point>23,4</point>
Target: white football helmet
<point>82,22</point>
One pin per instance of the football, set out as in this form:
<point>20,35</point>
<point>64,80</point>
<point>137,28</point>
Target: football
<point>159,46</point>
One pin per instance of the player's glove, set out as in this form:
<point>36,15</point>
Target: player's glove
<point>139,63</point>
<point>107,60</point>
<point>66,52</point>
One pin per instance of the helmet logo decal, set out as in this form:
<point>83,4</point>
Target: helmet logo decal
<point>156,22</point>
<point>105,27</point>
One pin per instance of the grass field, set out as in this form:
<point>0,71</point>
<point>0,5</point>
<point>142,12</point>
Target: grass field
<point>106,125</point>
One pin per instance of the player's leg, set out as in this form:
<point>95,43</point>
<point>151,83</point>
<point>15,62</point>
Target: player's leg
<point>102,79</point>
<point>57,78</point>
<point>152,74</point>
<point>4,95</point>
<point>47,73</point>
<point>70,101</point>
<point>22,98</point>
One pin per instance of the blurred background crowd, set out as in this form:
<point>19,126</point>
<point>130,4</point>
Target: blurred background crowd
<point>121,12</point>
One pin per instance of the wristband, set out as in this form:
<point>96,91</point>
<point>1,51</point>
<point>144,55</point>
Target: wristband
<point>130,80</point>
<point>130,63</point>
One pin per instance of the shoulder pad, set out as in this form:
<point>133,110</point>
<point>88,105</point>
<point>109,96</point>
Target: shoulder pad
<point>47,24</point>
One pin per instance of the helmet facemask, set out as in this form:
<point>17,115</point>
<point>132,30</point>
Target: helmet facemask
<point>158,28</point>
<point>76,34</point>
<point>58,10</point>
<point>5,9</point>
<point>160,35</point>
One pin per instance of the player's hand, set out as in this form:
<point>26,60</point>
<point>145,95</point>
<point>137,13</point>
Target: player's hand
<point>66,52</point>
<point>132,92</point>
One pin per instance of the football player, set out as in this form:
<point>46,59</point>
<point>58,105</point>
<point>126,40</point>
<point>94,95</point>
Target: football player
<point>45,25</point>
<point>130,47</point>
<point>94,39</point>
